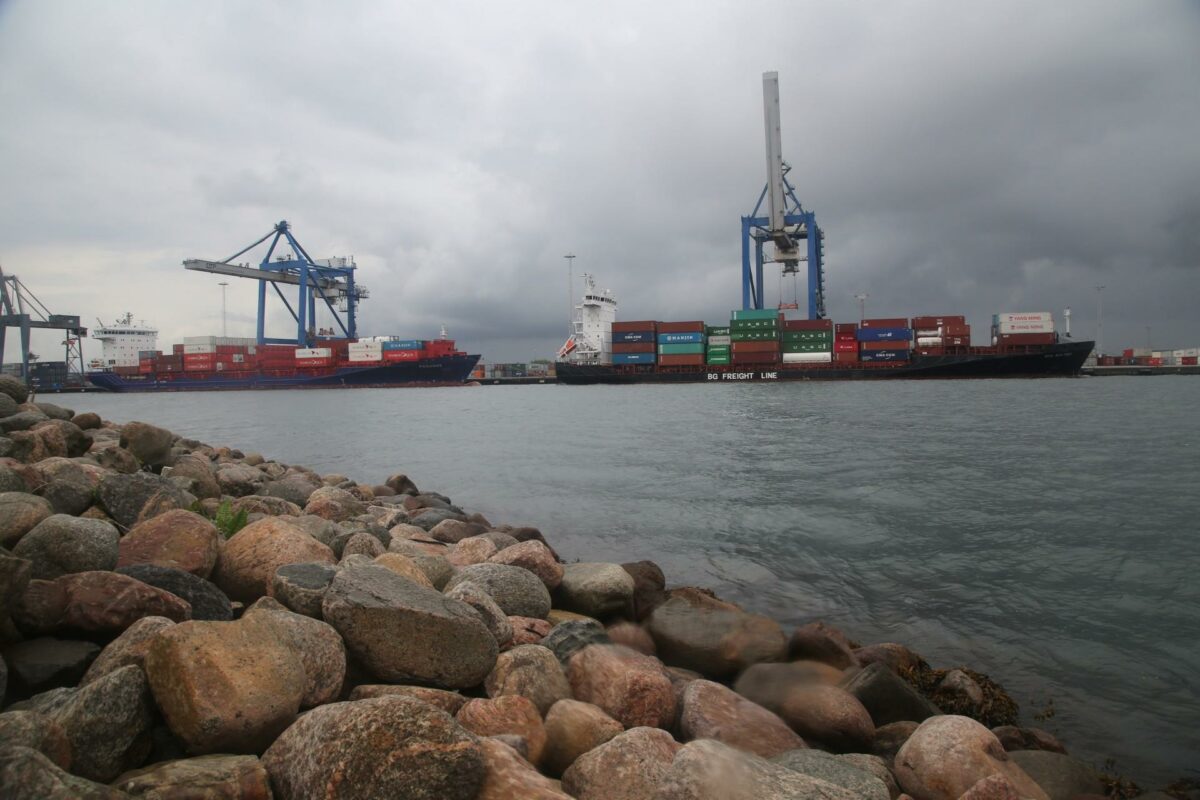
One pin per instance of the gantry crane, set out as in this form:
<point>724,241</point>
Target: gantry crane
<point>330,280</point>
<point>786,223</point>
<point>20,308</point>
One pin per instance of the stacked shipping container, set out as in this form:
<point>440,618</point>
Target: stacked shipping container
<point>884,340</point>
<point>681,344</point>
<point>754,336</point>
<point>807,341</point>
<point>634,342</point>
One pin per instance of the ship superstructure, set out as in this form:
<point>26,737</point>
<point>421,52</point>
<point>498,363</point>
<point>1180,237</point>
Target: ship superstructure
<point>123,342</point>
<point>590,341</point>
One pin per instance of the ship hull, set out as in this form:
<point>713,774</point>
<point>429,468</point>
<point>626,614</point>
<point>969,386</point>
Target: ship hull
<point>440,371</point>
<point>1064,359</point>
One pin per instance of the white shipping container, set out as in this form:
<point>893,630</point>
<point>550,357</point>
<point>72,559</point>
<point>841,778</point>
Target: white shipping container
<point>1025,316</point>
<point>720,341</point>
<point>929,341</point>
<point>313,352</point>
<point>1141,352</point>
<point>367,349</point>
<point>192,349</point>
<point>228,341</point>
<point>936,332</point>
<point>1031,326</point>
<point>807,358</point>
<point>1191,352</point>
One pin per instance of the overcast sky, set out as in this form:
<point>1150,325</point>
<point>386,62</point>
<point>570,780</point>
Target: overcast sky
<point>961,157</point>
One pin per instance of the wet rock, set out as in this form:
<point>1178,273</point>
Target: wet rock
<point>401,484</point>
<point>149,444</point>
<point>227,687</point>
<point>712,711</point>
<point>648,587</point>
<point>180,539</point>
<point>517,591</point>
<point>875,765</point>
<point>20,513</point>
<point>949,754</point>
<point>94,603</point>
<point>15,574</point>
<point>509,776</point>
<point>712,637</point>
<point>633,636</point>
<point>61,544</point>
<point>404,632</point>
<point>528,630</point>
<point>887,697</point>
<point>447,701</point>
<point>568,638</point>
<point>959,691</point>
<point>1060,776</point>
<point>206,600</point>
<point>709,770</point>
<point>36,665</point>
<point>429,518</point>
<point>406,567</point>
<point>495,620</point>
<point>127,649</point>
<point>213,777</point>
<point>240,480</point>
<point>895,656</point>
<point>198,471</point>
<point>66,485</point>
<point>535,557</point>
<point>1014,738</point>
<point>336,751</point>
<point>472,550</point>
<point>597,590</point>
<point>26,774</point>
<point>87,420</point>
<point>993,787</point>
<point>301,587</point>
<point>830,716</point>
<point>572,729</point>
<point>125,497</point>
<point>531,671</point>
<point>630,766</point>
<point>891,737</point>
<point>631,688</point>
<point>38,731</point>
<point>315,643</point>
<point>510,714</point>
<point>449,528</point>
<point>835,770</point>
<point>293,488</point>
<point>769,684</point>
<point>817,641</point>
<point>247,563</point>
<point>334,504</point>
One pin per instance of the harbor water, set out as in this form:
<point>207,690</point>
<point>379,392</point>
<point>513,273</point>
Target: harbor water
<point>1042,532</point>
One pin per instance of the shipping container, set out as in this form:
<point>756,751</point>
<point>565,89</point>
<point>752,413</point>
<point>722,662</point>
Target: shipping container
<point>693,337</point>
<point>633,358</point>
<point>1046,326</point>
<point>718,360</point>
<point>937,322</point>
<point>693,360</point>
<point>390,356</point>
<point>754,358</point>
<point>807,347</point>
<point>755,313</point>
<point>845,347</point>
<point>633,336</point>
<point>882,334</point>
<point>1026,338</point>
<point>688,349</point>
<point>637,325</point>
<point>681,327</point>
<point>1188,361</point>
<point>846,358</point>
<point>715,330</point>
<point>846,327</point>
<point>404,344</point>
<point>956,330</point>
<point>753,325</point>
<point>634,347</point>
<point>315,362</point>
<point>313,352</point>
<point>808,325</point>
<point>719,350</point>
<point>754,336</point>
<point>807,358</point>
<point>366,358</point>
<point>723,340</point>
<point>884,345</point>
<point>197,349</point>
<point>928,341</point>
<point>888,322</point>
<point>807,336</point>
<point>754,347</point>
<point>871,356</point>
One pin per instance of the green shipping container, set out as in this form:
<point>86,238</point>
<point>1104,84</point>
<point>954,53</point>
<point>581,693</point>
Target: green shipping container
<point>756,313</point>
<point>715,331</point>
<point>719,350</point>
<point>689,349</point>
<point>753,325</point>
<point>807,347</point>
<point>716,360</point>
<point>755,336</point>
<point>807,336</point>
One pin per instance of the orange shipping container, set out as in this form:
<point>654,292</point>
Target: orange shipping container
<point>681,361</point>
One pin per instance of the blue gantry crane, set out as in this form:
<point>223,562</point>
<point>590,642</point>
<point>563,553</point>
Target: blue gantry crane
<point>20,309</point>
<point>784,226</point>
<point>330,280</point>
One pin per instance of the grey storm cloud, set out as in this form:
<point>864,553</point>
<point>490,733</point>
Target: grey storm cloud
<point>961,157</point>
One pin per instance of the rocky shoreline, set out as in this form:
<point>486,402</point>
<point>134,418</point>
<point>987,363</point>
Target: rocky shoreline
<point>185,621</point>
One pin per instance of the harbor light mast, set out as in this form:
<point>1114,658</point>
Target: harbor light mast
<point>785,224</point>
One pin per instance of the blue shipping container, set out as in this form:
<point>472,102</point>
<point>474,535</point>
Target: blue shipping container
<point>404,344</point>
<point>883,355</point>
<point>681,338</point>
<point>634,336</point>
<point>633,358</point>
<point>885,334</point>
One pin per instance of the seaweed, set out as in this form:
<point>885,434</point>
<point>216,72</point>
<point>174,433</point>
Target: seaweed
<point>997,708</point>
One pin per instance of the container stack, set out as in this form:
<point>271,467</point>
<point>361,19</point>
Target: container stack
<point>719,341</point>
<point>845,342</point>
<point>884,340</point>
<point>634,342</point>
<point>934,334</point>
<point>681,344</point>
<point>754,336</point>
<point>364,354</point>
<point>314,357</point>
<point>1023,328</point>
<point>807,341</point>
<point>402,350</point>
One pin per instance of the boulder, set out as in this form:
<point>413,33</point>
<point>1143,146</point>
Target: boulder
<point>1014,738</point>
<point>510,714</point>
<point>15,574</point>
<point>292,488</point>
<point>1060,776</point>
<point>828,715</point>
<point>631,688</point>
<point>568,638</point>
<point>596,590</point>
<point>535,557</point>
<point>406,567</point>
<point>202,777</point>
<point>94,603</point>
<point>529,671</point>
<point>401,484</point>
<point>385,748</point>
<point>817,641</point>
<point>197,471</point>
<point>14,388</point>
<point>240,480</point>
<point>359,543</point>
<point>993,787</point>
<point>887,697</point>
<point>633,636</point>
<point>958,693</point>
<point>206,600</point>
<point>630,766</point>
<point>404,632</point>
<point>895,656</point>
<point>129,499</point>
<point>891,737</point>
<point>127,649</point>
<point>447,701</point>
<point>714,638</point>
<point>315,643</point>
<point>62,438</point>
<point>712,711</point>
<point>26,774</point>
<point>769,684</point>
<point>836,770</point>
<point>110,457</point>
<point>247,563</point>
<point>648,585</point>
<point>528,630</point>
<point>67,486</point>
<point>60,545</point>
<point>495,620</point>
<point>874,765</point>
<point>267,506</point>
<point>226,687</point>
<point>517,591</point>
<point>334,504</point>
<point>38,731</point>
<point>949,754</point>
<point>448,528</point>
<point>572,729</point>
<point>20,513</point>
<point>301,587</point>
<point>36,665</point>
<point>149,444</point>
<point>708,770</point>
<point>180,539</point>
<point>472,550</point>
<point>509,776</point>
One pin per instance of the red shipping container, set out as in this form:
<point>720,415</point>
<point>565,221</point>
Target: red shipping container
<point>846,327</point>
<point>680,327</point>
<point>956,330</point>
<point>892,345</point>
<point>937,322</point>
<point>890,322</point>
<point>630,327</point>
<point>634,347</point>
<point>846,358</point>
<point>681,361</point>
<point>848,336</point>
<point>754,347</point>
<point>1154,362</point>
<point>754,358</point>
<point>392,356</point>
<point>1188,361</point>
<point>306,363</point>
<point>200,358</point>
<point>177,349</point>
<point>960,341</point>
<point>1026,338</point>
<point>808,325</point>
<point>931,351</point>
<point>845,347</point>
<point>1127,353</point>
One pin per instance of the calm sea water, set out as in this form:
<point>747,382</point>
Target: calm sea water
<point>1043,532</point>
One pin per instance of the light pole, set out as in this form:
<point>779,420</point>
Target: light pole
<point>570,257</point>
<point>862,305</point>
<point>223,284</point>
<point>1099,319</point>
